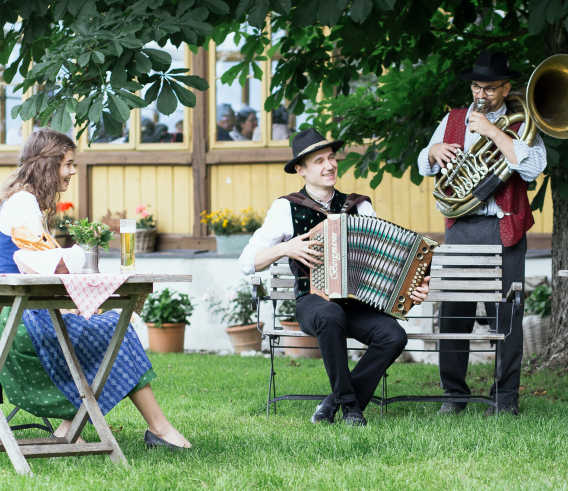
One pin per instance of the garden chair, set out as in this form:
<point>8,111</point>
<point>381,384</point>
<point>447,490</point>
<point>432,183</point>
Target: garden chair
<point>468,273</point>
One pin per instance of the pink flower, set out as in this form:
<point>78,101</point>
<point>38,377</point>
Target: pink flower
<point>144,214</point>
<point>206,297</point>
<point>140,209</point>
<point>231,296</point>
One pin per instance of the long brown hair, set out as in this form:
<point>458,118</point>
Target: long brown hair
<point>38,172</point>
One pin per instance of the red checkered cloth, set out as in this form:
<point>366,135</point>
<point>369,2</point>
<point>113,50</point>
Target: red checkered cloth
<point>89,291</point>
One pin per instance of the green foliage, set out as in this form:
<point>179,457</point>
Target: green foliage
<point>237,309</point>
<point>167,307</point>
<point>287,307</point>
<point>227,222</point>
<point>539,301</point>
<point>96,233</point>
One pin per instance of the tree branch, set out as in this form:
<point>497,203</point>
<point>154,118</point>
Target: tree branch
<point>488,40</point>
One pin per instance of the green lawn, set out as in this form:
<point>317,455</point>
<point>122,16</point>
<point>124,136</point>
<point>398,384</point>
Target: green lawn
<point>219,404</point>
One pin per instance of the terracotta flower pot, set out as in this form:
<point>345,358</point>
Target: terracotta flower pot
<point>300,345</point>
<point>167,339</point>
<point>245,338</point>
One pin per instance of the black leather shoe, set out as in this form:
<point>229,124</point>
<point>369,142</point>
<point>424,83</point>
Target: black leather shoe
<point>450,408</point>
<point>353,415</point>
<point>503,408</point>
<point>152,441</point>
<point>325,412</point>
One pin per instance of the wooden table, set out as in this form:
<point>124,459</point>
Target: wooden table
<point>47,292</point>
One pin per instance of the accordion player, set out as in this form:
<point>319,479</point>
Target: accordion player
<point>370,260</point>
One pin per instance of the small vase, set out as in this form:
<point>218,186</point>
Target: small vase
<point>91,265</point>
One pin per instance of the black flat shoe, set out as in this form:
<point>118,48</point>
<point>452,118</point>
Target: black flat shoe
<point>353,415</point>
<point>152,441</point>
<point>325,412</point>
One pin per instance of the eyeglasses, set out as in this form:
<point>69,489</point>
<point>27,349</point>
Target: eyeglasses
<point>488,90</point>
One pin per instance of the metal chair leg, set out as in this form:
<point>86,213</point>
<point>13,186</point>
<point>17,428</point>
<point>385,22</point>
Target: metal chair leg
<point>46,426</point>
<point>270,380</point>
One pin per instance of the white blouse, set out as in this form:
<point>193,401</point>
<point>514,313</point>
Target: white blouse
<point>18,210</point>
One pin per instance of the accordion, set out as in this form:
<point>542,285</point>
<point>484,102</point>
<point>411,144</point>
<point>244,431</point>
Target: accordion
<point>370,260</point>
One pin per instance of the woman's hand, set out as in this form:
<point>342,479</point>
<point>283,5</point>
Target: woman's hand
<point>421,292</point>
<point>299,249</point>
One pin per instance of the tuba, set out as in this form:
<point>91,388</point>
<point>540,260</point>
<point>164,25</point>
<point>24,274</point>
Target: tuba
<point>472,177</point>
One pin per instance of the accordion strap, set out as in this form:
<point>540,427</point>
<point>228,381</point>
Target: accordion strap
<point>352,200</point>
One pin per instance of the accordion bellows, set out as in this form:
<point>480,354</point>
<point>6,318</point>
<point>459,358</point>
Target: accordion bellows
<point>370,260</point>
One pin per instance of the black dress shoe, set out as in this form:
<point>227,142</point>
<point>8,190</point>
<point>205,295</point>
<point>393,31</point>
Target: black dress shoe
<point>450,408</point>
<point>353,415</point>
<point>325,411</point>
<point>152,441</point>
<point>503,408</point>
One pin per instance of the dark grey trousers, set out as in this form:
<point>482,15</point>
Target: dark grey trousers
<point>332,323</point>
<point>453,366</point>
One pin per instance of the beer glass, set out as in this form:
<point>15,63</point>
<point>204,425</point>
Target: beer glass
<point>127,244</point>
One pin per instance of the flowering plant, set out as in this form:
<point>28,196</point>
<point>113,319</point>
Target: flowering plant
<point>96,233</point>
<point>146,220</point>
<point>227,222</point>
<point>64,206</point>
<point>238,311</point>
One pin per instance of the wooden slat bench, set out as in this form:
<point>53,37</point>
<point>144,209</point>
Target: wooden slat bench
<point>469,273</point>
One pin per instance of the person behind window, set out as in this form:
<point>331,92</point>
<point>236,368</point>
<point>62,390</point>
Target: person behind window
<point>245,125</point>
<point>280,120</point>
<point>178,135</point>
<point>225,122</point>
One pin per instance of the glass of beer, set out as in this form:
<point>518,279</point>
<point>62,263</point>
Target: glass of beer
<point>127,244</point>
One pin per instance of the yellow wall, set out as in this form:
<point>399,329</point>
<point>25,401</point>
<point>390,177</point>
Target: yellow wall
<point>397,200</point>
<point>167,189</point>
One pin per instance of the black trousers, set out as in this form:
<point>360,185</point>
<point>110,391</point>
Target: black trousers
<point>453,366</point>
<point>332,324</point>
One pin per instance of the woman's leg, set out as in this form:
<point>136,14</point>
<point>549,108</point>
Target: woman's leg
<point>62,430</point>
<point>146,403</point>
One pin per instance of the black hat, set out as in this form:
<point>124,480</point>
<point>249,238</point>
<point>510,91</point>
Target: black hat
<point>306,142</point>
<point>490,67</point>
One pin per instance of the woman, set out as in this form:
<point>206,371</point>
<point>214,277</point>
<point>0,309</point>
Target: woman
<point>34,376</point>
<point>245,125</point>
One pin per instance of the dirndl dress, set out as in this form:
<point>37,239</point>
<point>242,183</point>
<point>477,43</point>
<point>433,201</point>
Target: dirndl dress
<point>36,377</point>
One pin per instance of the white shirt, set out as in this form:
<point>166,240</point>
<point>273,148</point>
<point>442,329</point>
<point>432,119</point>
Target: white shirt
<point>279,227</point>
<point>531,160</point>
<point>17,210</point>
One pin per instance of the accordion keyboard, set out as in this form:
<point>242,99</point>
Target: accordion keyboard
<point>318,273</point>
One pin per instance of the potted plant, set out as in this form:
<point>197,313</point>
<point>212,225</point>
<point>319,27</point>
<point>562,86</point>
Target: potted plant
<point>166,314</point>
<point>232,230</point>
<point>90,236</point>
<point>146,230</point>
<point>239,315</point>
<point>536,322</point>
<point>299,347</point>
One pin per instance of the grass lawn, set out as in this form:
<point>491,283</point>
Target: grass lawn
<point>218,403</point>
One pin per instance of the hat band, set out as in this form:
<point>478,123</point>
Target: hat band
<point>313,147</point>
<point>484,70</point>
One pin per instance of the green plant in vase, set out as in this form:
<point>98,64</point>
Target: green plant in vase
<point>88,235</point>
<point>167,307</point>
<point>539,302</point>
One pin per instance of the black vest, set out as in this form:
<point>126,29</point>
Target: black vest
<point>304,219</point>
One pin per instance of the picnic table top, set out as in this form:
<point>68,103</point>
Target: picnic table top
<point>41,279</point>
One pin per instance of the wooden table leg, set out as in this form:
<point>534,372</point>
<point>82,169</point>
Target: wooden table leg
<point>103,372</point>
<point>8,440</point>
<point>85,391</point>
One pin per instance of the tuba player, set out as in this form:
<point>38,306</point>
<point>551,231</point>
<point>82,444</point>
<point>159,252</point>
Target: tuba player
<point>502,220</point>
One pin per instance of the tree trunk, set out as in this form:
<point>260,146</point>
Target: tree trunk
<point>556,353</point>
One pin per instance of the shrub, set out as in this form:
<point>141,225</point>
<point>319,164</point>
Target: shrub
<point>539,301</point>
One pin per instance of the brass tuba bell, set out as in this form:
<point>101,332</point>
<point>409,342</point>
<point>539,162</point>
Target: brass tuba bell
<point>475,175</point>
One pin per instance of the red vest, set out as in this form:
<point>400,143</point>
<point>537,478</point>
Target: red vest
<point>511,197</point>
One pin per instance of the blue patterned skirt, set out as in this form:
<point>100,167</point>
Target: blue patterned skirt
<point>90,339</point>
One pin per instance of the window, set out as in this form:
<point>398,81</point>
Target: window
<point>13,132</point>
<point>147,129</point>
<point>237,109</point>
<point>237,113</point>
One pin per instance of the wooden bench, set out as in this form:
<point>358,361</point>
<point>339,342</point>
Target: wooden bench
<point>459,273</point>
